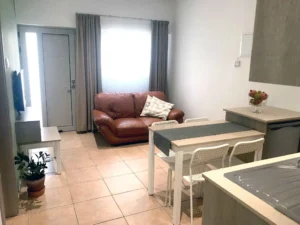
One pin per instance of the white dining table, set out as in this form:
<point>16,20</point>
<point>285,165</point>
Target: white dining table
<point>189,145</point>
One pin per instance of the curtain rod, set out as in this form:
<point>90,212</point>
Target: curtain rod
<point>124,17</point>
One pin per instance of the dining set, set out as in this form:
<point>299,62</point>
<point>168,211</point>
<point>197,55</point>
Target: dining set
<point>194,147</point>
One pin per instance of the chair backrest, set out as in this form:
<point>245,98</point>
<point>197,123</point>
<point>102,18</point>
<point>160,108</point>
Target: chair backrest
<point>204,155</point>
<point>202,119</point>
<point>165,122</point>
<point>246,147</point>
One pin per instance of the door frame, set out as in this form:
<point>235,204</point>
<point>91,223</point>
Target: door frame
<point>71,32</point>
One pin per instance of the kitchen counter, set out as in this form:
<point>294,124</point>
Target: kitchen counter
<point>227,203</point>
<point>269,115</point>
<point>278,124</point>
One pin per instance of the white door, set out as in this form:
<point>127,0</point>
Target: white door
<point>56,68</point>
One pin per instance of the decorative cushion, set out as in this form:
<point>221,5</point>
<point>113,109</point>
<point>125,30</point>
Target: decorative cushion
<point>139,99</point>
<point>146,106</point>
<point>157,108</point>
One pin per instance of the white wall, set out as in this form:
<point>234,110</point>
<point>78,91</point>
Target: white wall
<point>8,146</point>
<point>204,79</point>
<point>61,13</point>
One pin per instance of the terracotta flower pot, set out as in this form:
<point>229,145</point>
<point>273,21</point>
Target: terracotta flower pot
<point>36,188</point>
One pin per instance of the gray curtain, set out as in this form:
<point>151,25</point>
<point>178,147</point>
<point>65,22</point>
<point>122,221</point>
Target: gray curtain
<point>88,69</point>
<point>159,56</point>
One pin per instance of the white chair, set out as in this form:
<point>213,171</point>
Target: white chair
<point>255,146</point>
<point>201,157</point>
<point>167,122</point>
<point>191,120</point>
<point>168,159</point>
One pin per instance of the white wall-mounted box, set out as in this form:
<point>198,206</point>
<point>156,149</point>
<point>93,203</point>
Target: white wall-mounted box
<point>246,45</point>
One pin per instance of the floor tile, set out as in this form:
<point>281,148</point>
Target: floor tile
<point>82,183</point>
<point>135,201</point>
<point>156,216</point>
<point>139,165</point>
<point>70,135</point>
<point>161,163</point>
<point>185,211</point>
<point>101,142</point>
<point>130,153</point>
<point>61,215</point>
<point>53,197</point>
<point>82,175</point>
<point>160,177</point>
<point>74,143</point>
<point>88,190</point>
<point>114,169</point>
<point>97,211</point>
<point>101,157</point>
<point>88,139</point>
<point>55,181</point>
<point>121,221</point>
<point>145,149</point>
<point>160,193</point>
<point>73,153</point>
<point>18,220</point>
<point>71,164</point>
<point>123,183</point>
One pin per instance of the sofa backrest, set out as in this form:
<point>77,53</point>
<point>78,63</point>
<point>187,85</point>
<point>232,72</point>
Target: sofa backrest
<point>140,100</point>
<point>124,105</point>
<point>116,105</point>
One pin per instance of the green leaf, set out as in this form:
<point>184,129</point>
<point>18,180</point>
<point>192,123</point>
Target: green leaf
<point>26,158</point>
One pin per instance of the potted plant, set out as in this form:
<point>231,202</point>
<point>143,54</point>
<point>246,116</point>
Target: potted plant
<point>257,99</point>
<point>33,172</point>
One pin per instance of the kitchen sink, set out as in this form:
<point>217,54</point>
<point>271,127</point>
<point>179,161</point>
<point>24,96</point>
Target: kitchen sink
<point>277,184</point>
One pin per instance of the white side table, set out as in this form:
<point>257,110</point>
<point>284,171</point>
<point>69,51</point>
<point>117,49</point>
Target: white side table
<point>50,138</point>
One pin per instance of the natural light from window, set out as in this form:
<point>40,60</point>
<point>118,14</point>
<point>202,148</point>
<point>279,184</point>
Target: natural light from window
<point>34,72</point>
<point>125,54</point>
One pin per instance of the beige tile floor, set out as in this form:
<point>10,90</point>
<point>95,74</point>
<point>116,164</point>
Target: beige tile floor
<point>102,185</point>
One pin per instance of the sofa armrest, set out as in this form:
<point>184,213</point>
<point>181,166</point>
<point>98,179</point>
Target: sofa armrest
<point>176,114</point>
<point>101,118</point>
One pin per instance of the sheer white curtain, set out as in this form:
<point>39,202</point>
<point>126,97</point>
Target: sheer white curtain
<point>125,54</point>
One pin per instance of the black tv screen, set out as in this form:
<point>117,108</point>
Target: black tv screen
<point>18,91</point>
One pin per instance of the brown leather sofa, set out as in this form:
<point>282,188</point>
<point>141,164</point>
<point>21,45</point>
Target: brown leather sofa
<point>117,116</point>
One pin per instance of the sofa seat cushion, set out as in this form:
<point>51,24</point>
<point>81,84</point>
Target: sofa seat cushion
<point>126,127</point>
<point>149,120</point>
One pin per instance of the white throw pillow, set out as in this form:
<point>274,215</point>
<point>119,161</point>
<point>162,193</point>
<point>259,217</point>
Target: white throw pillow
<point>145,111</point>
<point>157,108</point>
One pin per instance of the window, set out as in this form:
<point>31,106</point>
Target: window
<point>125,54</point>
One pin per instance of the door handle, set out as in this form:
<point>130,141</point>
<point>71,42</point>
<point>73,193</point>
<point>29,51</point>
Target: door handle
<point>73,84</point>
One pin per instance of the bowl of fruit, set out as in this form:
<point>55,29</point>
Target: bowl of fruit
<point>257,100</point>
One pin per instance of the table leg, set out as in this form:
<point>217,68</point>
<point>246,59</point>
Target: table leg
<point>177,187</point>
<point>151,164</point>
<point>57,157</point>
<point>259,155</point>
